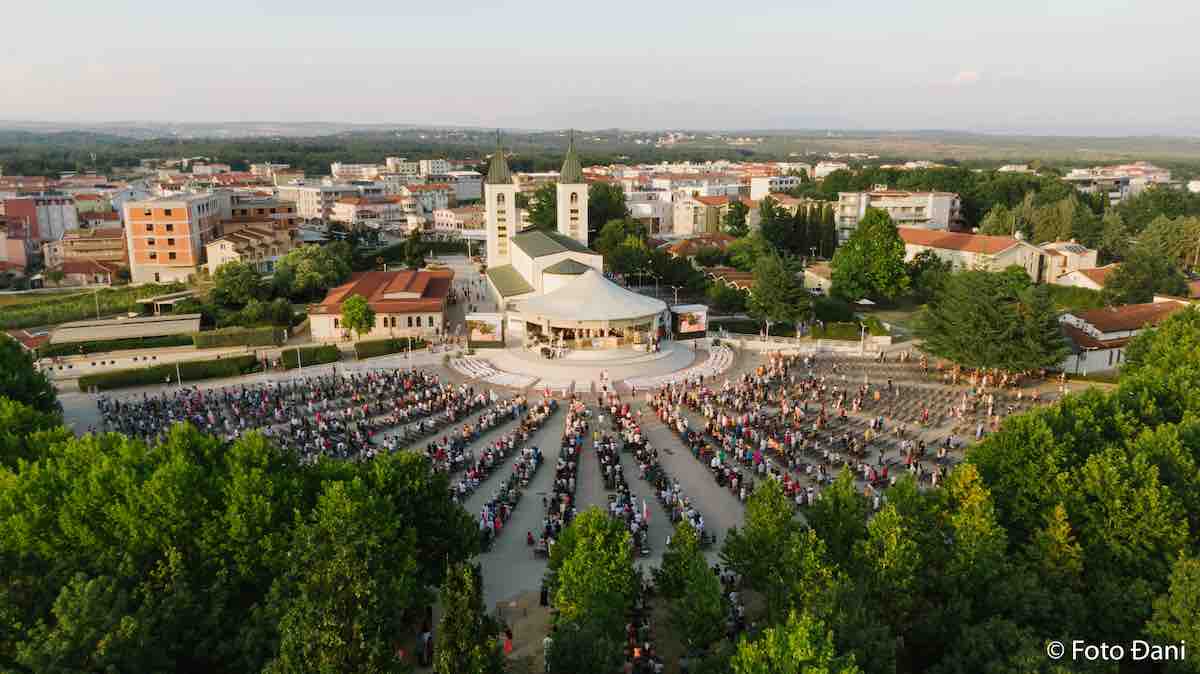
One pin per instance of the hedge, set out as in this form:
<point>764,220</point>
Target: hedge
<point>265,336</point>
<point>743,326</point>
<point>191,370</point>
<point>51,310</point>
<point>311,355</point>
<point>383,347</point>
<point>76,348</point>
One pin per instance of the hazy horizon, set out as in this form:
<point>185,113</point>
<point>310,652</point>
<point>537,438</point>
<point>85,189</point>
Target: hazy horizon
<point>1066,67</point>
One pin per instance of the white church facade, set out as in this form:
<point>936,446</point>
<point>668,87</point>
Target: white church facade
<point>549,284</point>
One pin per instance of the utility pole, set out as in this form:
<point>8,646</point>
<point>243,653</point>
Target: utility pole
<point>96,296</point>
<point>178,376</point>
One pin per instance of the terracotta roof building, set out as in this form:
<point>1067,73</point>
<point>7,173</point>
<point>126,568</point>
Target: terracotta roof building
<point>104,244</point>
<point>1092,278</point>
<point>1099,336</point>
<point>406,303</point>
<point>975,251</point>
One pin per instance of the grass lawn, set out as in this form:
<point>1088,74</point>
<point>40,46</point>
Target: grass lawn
<point>7,300</point>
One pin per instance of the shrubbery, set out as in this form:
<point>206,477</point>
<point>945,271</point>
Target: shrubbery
<point>312,355</point>
<point>189,371</point>
<point>78,348</point>
<point>264,336</point>
<point>383,347</point>
<point>58,309</point>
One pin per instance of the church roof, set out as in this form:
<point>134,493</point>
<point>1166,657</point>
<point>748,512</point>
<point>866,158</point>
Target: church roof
<point>591,297</point>
<point>498,172</point>
<point>567,267</point>
<point>508,281</point>
<point>572,170</point>
<point>538,243</point>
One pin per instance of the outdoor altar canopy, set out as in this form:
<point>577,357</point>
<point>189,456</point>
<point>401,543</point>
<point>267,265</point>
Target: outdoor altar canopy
<point>591,312</point>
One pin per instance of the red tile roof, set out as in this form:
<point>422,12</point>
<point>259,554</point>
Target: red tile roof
<point>431,187</point>
<point>1130,316</point>
<point>85,266</point>
<point>27,340</point>
<point>970,243</point>
<point>712,201</point>
<point>1099,274</point>
<point>430,288</point>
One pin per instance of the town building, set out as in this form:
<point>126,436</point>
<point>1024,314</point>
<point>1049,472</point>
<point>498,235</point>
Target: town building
<point>88,272</point>
<point>14,251</point>
<point>406,304</point>
<point>101,245</point>
<point>1098,337</point>
<point>166,237</point>
<point>653,208</point>
<point>315,202</point>
<point>40,218</point>
<point>454,222</point>
<point>1063,257</point>
<point>1194,186</point>
<point>818,276</point>
<point>468,185</point>
<point>348,172</point>
<point>690,247</point>
<point>359,211</point>
<point>930,210</point>
<point>975,251</point>
<point>1092,278</point>
<point>260,246</point>
<point>824,168</point>
<point>429,197</point>
<point>429,167</point>
<point>761,186</point>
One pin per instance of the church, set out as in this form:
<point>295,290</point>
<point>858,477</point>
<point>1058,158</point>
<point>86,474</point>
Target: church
<point>549,284</point>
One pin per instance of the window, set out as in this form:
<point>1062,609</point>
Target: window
<point>149,227</point>
<point>145,211</point>
<point>171,255</point>
<point>410,321</point>
<point>500,199</point>
<point>170,227</point>
<point>418,321</point>
<point>170,242</point>
<point>574,198</point>
<point>153,255</point>
<point>335,323</point>
<point>149,242</point>
<point>167,212</point>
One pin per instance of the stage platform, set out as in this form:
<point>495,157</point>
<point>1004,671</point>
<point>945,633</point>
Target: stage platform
<point>584,368</point>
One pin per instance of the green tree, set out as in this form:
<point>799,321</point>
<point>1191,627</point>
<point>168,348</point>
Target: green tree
<point>357,315</point>
<point>55,276</point>
<point>888,562</point>
<point>308,271</point>
<point>1177,612</point>
<point>671,576</point>
<point>606,202</point>
<point>735,219</point>
<point>543,207</point>
<point>777,296</point>
<point>726,299</point>
<point>697,612</point>
<point>415,250</point>
<point>22,381</point>
<point>984,319</point>
<point>467,635</point>
<point>1115,237</point>
<point>584,646</point>
<point>871,263</point>
<point>710,256</point>
<point>745,252</point>
<point>840,517</point>
<point>597,579</point>
<point>342,606</point>
<point>25,432</point>
<point>236,284</point>
<point>927,274</point>
<point>1140,277</point>
<point>803,645</point>
<point>755,550</point>
<point>616,233</point>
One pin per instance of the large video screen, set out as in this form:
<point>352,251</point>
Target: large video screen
<point>689,321</point>
<point>485,330</point>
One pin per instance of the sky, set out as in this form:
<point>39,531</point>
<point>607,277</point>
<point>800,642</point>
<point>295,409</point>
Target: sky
<point>1066,67</point>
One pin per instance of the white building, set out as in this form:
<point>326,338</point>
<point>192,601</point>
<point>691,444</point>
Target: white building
<point>824,168</point>
<point>315,202</point>
<point>430,167</point>
<point>402,166</point>
<point>429,198</point>
<point>347,172</point>
<point>1064,257</point>
<point>653,208</point>
<point>975,251</point>
<point>468,185</point>
<point>457,222</point>
<point>1092,279</point>
<point>1099,337</point>
<point>1194,186</point>
<point>361,211</point>
<point>1015,168</point>
<point>931,210</point>
<point>761,186</point>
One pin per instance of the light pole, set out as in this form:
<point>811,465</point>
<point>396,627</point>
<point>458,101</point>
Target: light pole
<point>676,289</point>
<point>862,348</point>
<point>96,296</point>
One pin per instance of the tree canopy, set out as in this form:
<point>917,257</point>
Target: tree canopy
<point>1144,274</point>
<point>983,319</point>
<point>306,272</point>
<point>870,264</point>
<point>777,296</point>
<point>357,315</point>
<point>21,381</point>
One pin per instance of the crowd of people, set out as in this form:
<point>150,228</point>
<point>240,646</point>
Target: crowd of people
<point>559,505</point>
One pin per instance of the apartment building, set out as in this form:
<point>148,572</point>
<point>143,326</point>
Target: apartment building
<point>455,222</point>
<point>14,251</point>
<point>105,244</point>
<point>698,184</point>
<point>430,197</point>
<point>315,202</point>
<point>347,172</point>
<point>257,245</point>
<point>402,166</point>
<point>761,186</point>
<point>824,168</point>
<point>362,210</point>
<point>468,185</point>
<point>975,251</point>
<point>264,206</point>
<point>653,208</point>
<point>1121,181</point>
<point>931,210</point>
<point>166,236</point>
<point>41,218</point>
<point>429,167</point>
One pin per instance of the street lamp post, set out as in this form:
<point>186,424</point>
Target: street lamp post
<point>862,348</point>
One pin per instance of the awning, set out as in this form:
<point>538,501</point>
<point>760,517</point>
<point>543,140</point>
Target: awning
<point>591,297</point>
